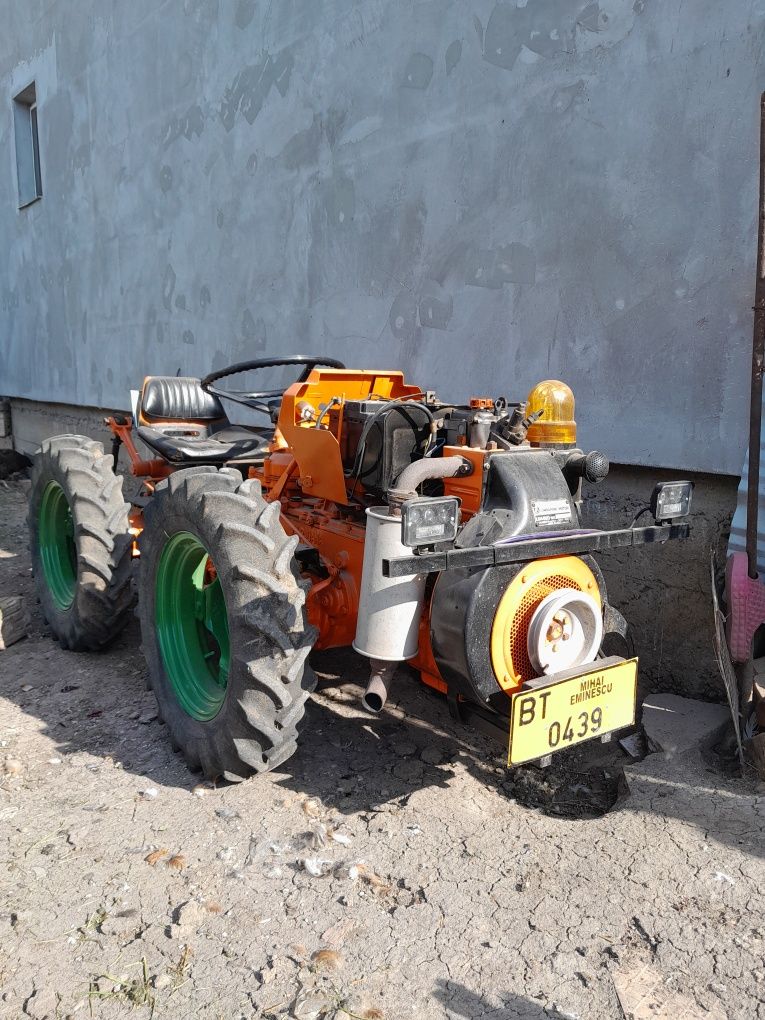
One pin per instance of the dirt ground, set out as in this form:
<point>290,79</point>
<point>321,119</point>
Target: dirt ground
<point>393,868</point>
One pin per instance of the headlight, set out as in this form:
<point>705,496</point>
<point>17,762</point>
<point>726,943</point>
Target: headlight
<point>428,520</point>
<point>670,500</point>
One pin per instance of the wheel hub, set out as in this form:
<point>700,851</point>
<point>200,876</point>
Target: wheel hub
<point>58,550</point>
<point>192,626</point>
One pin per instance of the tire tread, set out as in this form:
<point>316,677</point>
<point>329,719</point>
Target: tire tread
<point>269,676</point>
<point>100,514</point>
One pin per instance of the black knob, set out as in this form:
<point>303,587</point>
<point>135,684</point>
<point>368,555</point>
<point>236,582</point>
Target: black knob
<point>596,466</point>
<point>592,466</point>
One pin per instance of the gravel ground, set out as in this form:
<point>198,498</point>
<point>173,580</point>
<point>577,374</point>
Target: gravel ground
<point>393,868</point>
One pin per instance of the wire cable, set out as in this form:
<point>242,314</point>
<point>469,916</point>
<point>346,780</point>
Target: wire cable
<point>638,515</point>
<point>360,449</point>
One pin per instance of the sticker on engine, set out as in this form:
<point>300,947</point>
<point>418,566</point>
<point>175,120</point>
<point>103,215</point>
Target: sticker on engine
<point>551,511</point>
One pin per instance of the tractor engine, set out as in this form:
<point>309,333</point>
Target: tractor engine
<point>490,630</point>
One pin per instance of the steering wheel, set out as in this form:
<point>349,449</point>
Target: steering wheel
<point>254,398</point>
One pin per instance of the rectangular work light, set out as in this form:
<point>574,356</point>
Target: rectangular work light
<point>670,500</point>
<point>428,520</point>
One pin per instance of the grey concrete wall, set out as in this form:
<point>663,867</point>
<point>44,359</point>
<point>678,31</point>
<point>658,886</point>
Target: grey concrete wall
<point>482,193</point>
<point>33,421</point>
<point>664,592</point>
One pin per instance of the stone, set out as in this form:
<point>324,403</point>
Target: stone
<point>327,959</point>
<point>634,745</point>
<point>404,748</point>
<point>12,766</point>
<point>14,620</point>
<point>409,771</point>
<point>432,754</point>
<point>187,918</point>
<point>674,724</point>
<point>316,866</point>
<point>312,807</point>
<point>755,751</point>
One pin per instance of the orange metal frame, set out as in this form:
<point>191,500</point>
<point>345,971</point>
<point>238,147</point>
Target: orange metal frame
<point>317,449</point>
<point>152,471</point>
<point>304,471</point>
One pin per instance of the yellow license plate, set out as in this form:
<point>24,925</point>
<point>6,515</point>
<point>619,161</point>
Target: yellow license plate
<point>572,709</point>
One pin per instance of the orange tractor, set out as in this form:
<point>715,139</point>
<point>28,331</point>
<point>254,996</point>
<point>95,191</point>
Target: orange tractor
<point>367,513</point>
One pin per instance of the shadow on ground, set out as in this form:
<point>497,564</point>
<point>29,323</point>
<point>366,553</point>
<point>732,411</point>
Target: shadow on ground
<point>460,1002</point>
<point>98,705</point>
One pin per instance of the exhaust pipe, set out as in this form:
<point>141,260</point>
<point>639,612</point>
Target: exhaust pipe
<point>420,471</point>
<point>378,687</point>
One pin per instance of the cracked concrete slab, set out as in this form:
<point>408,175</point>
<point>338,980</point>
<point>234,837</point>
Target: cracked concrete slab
<point>674,724</point>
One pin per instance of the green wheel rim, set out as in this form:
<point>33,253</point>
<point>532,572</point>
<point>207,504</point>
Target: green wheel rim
<point>192,626</point>
<point>58,550</point>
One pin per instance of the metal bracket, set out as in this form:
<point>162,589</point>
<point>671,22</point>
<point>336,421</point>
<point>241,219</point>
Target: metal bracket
<point>526,549</point>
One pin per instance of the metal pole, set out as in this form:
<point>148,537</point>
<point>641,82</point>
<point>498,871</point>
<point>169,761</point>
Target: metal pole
<point>758,358</point>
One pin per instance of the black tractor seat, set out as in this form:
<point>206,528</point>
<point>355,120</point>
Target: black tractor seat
<point>182,445</point>
<point>186,425</point>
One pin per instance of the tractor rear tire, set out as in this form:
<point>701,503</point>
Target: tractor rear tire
<point>80,544</point>
<point>223,622</point>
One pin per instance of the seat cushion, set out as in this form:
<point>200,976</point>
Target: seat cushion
<point>181,446</point>
<point>178,398</point>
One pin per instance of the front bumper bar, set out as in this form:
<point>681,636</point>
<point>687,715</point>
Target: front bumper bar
<point>522,550</point>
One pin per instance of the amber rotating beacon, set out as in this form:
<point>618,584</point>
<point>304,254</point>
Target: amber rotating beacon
<point>556,425</point>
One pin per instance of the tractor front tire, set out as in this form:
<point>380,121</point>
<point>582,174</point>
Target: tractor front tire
<point>80,544</point>
<point>223,621</point>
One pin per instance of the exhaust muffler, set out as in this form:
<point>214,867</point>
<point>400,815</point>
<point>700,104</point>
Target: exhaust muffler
<point>390,608</point>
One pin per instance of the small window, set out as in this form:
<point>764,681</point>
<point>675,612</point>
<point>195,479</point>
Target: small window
<point>27,146</point>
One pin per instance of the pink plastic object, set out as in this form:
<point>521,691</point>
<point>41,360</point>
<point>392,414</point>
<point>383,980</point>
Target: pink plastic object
<point>745,598</point>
